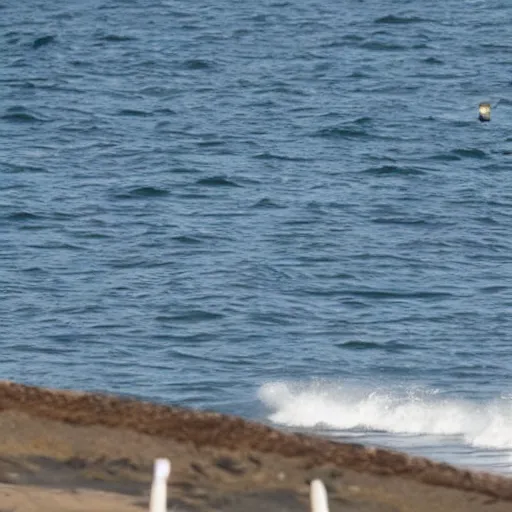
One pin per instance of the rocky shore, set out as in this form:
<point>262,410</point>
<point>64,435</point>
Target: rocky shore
<point>69,451</point>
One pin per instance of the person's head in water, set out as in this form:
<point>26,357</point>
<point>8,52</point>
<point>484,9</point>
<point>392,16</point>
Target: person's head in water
<point>484,112</point>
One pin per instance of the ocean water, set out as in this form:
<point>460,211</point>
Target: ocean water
<point>283,210</point>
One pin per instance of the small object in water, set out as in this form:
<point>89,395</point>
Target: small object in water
<point>484,112</point>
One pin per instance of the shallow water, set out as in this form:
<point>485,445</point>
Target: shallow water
<point>283,210</point>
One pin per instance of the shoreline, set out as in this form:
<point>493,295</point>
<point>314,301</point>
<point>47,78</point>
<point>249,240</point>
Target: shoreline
<point>75,444</point>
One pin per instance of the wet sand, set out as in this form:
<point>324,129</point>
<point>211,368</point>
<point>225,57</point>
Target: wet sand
<point>68,451</point>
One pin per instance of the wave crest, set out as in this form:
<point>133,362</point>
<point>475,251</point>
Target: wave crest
<point>398,411</point>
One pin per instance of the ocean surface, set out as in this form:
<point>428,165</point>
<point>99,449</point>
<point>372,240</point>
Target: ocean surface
<point>285,210</point>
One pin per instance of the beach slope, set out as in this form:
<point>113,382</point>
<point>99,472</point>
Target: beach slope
<point>70,451</point>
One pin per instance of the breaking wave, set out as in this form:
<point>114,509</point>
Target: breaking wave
<point>397,411</point>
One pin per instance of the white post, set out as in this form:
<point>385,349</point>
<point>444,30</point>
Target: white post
<point>158,498</point>
<point>318,497</point>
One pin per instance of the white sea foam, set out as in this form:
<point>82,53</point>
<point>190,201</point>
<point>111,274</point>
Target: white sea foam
<point>398,411</point>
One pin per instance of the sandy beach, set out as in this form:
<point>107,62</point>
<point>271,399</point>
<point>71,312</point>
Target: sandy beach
<point>69,451</point>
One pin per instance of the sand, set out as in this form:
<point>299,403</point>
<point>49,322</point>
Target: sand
<point>69,451</point>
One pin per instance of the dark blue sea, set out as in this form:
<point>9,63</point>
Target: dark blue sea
<point>285,210</point>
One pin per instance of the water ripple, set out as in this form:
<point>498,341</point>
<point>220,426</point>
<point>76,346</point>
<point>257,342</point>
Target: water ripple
<point>200,198</point>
